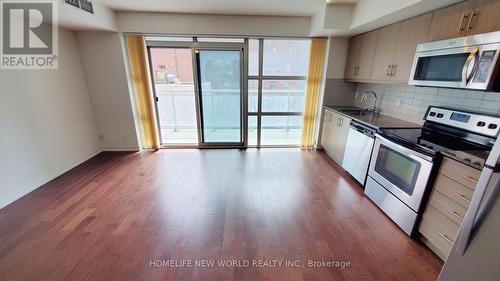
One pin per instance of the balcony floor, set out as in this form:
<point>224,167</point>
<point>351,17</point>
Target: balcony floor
<point>275,137</point>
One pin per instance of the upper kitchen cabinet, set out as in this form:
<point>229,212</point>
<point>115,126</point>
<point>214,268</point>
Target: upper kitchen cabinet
<point>411,33</point>
<point>351,67</point>
<point>464,19</point>
<point>385,47</point>
<point>366,55</point>
<point>386,55</point>
<point>485,17</point>
<point>395,49</point>
<point>360,56</point>
<point>450,22</point>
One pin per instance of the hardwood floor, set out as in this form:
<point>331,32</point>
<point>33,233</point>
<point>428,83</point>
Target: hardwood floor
<point>113,216</point>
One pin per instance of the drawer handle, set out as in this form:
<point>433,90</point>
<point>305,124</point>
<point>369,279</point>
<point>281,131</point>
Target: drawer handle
<point>469,179</point>
<point>455,214</point>
<point>445,237</point>
<point>462,196</point>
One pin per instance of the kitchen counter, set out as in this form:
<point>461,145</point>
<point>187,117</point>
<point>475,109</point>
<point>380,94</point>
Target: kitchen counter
<point>376,121</point>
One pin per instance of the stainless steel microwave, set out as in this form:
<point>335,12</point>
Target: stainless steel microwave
<point>468,62</point>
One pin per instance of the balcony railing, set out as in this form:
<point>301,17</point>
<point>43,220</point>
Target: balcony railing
<point>177,109</point>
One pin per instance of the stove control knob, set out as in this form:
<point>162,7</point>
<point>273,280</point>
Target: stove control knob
<point>492,126</point>
<point>481,124</point>
<point>440,115</point>
<point>432,113</point>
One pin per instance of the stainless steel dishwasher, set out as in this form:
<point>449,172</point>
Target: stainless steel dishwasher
<point>358,150</point>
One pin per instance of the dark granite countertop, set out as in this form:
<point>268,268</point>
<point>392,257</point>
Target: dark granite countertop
<point>376,121</point>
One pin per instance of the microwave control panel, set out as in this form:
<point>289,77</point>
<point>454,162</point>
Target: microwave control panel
<point>485,65</point>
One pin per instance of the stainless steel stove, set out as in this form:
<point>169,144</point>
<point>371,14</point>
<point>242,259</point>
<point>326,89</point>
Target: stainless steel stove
<point>405,161</point>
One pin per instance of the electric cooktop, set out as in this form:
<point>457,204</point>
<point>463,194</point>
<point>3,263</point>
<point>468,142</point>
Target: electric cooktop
<point>449,131</point>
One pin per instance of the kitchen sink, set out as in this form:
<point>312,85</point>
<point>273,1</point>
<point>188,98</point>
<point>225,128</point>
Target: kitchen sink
<point>359,111</point>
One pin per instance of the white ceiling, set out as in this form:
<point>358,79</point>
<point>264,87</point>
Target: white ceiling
<point>233,7</point>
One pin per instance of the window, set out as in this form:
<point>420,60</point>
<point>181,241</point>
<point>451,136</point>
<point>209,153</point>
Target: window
<point>286,57</point>
<point>172,70</point>
<point>284,64</point>
<point>281,130</point>
<point>253,86</point>
<point>253,57</point>
<point>283,95</point>
<point>219,39</point>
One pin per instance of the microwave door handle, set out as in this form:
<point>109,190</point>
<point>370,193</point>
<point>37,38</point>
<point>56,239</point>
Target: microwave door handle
<point>466,75</point>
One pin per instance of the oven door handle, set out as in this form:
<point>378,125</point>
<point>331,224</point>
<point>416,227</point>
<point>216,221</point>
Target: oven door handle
<point>466,74</point>
<point>403,149</point>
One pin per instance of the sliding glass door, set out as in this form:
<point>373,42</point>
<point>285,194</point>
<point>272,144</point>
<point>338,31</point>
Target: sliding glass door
<point>173,86</point>
<point>220,95</point>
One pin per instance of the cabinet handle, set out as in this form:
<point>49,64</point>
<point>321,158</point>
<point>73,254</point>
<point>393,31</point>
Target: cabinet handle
<point>455,214</point>
<point>472,21</point>
<point>469,178</point>
<point>394,67</point>
<point>462,196</point>
<point>445,237</point>
<point>388,72</point>
<point>341,120</point>
<point>465,20</point>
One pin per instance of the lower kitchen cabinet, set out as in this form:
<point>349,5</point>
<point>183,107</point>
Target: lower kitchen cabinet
<point>334,134</point>
<point>448,203</point>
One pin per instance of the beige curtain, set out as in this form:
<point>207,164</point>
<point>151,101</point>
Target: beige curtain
<point>143,92</point>
<point>316,63</point>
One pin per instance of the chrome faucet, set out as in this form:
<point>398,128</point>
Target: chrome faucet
<point>363,97</point>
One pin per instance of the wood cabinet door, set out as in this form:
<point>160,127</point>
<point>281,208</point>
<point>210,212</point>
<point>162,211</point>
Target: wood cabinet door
<point>384,51</point>
<point>411,33</point>
<point>485,17</point>
<point>366,55</point>
<point>353,57</point>
<point>326,139</point>
<point>334,134</point>
<point>450,22</point>
<point>341,138</point>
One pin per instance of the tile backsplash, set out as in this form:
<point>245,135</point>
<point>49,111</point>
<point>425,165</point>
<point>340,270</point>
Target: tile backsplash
<point>410,103</point>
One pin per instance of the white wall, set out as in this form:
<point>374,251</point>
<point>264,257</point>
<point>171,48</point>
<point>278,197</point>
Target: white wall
<point>190,24</point>
<point>75,19</point>
<point>104,68</point>
<point>46,122</point>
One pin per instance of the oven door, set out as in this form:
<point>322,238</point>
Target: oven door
<point>403,172</point>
